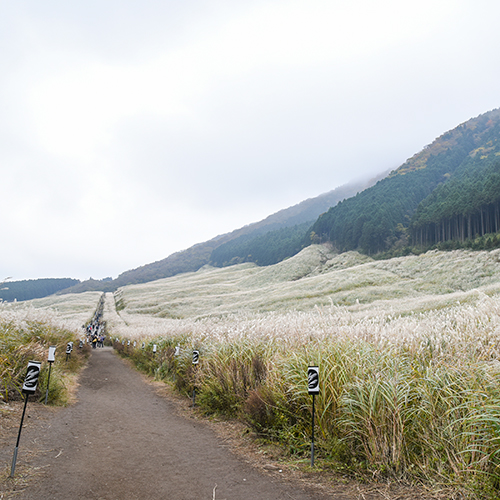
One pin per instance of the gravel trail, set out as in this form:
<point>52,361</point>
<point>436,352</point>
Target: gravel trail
<point>121,440</point>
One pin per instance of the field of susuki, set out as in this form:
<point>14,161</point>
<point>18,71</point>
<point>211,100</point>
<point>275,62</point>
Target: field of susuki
<point>27,329</point>
<point>408,354</point>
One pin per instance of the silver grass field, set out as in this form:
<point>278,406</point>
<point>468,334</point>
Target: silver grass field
<point>408,350</point>
<point>26,332</point>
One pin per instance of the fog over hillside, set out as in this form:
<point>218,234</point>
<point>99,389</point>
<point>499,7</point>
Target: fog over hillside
<point>133,130</point>
<point>199,255</point>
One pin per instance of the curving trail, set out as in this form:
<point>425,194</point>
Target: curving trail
<point>123,441</point>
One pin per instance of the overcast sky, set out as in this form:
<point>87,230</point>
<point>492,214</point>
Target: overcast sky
<point>132,129</point>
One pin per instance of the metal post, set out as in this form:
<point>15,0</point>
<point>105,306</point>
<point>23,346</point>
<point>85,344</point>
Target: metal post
<point>14,458</point>
<point>48,383</point>
<point>312,434</point>
<point>194,385</point>
<point>195,361</point>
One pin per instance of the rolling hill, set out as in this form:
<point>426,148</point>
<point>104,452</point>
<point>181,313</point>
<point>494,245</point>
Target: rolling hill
<point>317,277</point>
<point>195,257</point>
<point>448,192</point>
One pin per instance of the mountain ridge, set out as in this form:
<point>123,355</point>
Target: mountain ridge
<point>383,216</point>
<point>406,210</point>
<point>198,255</point>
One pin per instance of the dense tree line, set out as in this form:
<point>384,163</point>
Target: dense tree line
<point>265,249</point>
<point>371,221</point>
<point>33,289</point>
<point>466,207</point>
<point>377,219</point>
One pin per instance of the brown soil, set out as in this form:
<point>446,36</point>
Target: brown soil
<point>129,439</point>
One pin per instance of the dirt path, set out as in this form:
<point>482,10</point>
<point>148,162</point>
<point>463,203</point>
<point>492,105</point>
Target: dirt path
<point>121,440</point>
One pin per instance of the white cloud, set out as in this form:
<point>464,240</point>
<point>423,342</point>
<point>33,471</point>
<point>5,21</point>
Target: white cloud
<point>76,107</point>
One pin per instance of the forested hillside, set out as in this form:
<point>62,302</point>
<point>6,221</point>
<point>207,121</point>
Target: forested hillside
<point>450,191</point>
<point>33,289</point>
<point>248,240</point>
<point>465,207</point>
<point>266,249</point>
<point>446,191</point>
<point>282,234</point>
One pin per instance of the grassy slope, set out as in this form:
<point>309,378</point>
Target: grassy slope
<point>317,277</point>
<point>27,329</point>
<point>408,362</point>
<point>408,352</point>
<point>72,309</point>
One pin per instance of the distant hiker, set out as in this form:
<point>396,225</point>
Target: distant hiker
<point>94,341</point>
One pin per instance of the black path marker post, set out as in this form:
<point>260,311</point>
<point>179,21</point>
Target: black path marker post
<point>177,353</point>
<point>50,359</point>
<point>29,387</point>
<point>313,388</point>
<point>69,348</point>
<point>196,360</point>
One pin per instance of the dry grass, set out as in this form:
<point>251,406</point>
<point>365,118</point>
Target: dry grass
<point>315,278</point>
<point>26,332</point>
<point>64,311</point>
<point>408,351</point>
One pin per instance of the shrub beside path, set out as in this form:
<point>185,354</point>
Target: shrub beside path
<point>121,440</point>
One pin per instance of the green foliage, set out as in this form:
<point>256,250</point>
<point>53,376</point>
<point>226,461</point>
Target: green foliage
<point>464,208</point>
<point>33,289</point>
<point>264,250</point>
<point>405,414</point>
<point>375,220</point>
<point>163,364</point>
<point>228,376</point>
<point>375,418</point>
